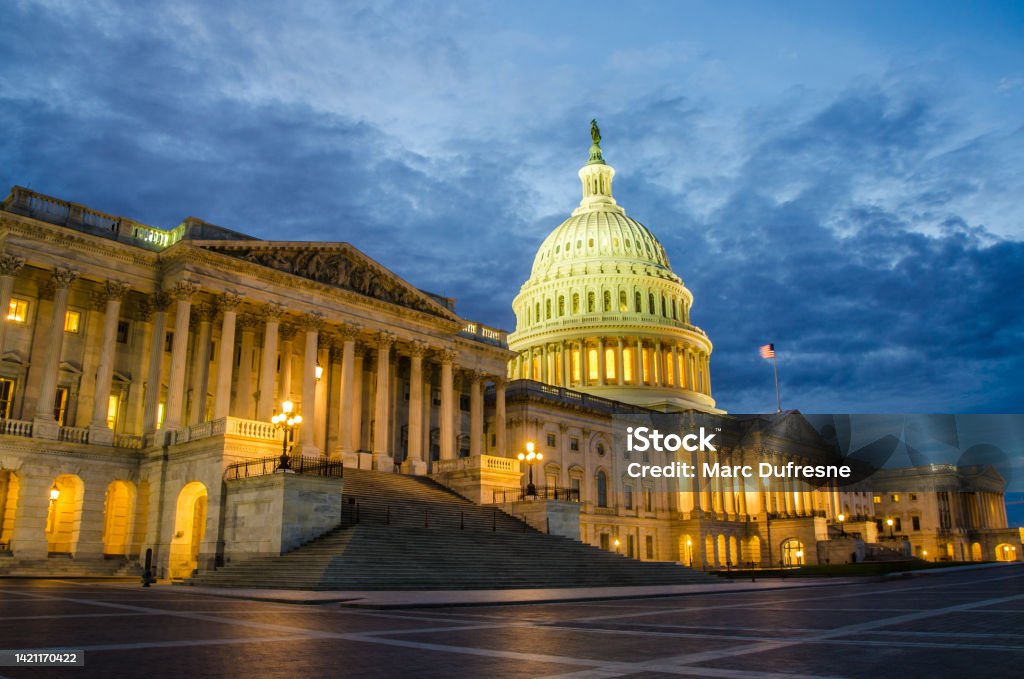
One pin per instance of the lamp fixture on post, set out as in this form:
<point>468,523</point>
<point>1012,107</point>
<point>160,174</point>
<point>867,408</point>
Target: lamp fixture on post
<point>318,371</point>
<point>889,523</point>
<point>286,421</point>
<point>842,528</point>
<point>54,492</point>
<point>530,457</point>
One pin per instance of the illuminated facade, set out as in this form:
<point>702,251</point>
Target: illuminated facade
<point>139,364</point>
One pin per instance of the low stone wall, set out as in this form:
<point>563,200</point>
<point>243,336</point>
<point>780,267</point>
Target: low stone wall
<point>276,513</point>
<point>554,517</point>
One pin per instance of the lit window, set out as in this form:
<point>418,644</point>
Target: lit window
<point>623,304</point>
<point>878,499</point>
<point>60,405</point>
<point>18,311</point>
<point>6,397</point>
<point>160,415</point>
<point>609,364</point>
<point>895,497</point>
<point>72,321</point>
<point>592,371</point>
<point>112,404</point>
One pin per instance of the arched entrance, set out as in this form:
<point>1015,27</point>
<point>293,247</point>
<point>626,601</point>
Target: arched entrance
<point>734,552</point>
<point>64,516</point>
<point>793,552</point>
<point>709,551</point>
<point>118,515</point>
<point>976,551</point>
<point>1006,552</point>
<point>8,507</point>
<point>721,555</point>
<point>753,551</point>
<point>189,528</point>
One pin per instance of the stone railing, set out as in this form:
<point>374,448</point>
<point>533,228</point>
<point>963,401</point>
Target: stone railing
<point>482,333</point>
<point>128,441</point>
<point>532,389</point>
<point>73,215</point>
<point>228,426</point>
<point>485,462</point>
<point>73,434</point>
<point>16,427</point>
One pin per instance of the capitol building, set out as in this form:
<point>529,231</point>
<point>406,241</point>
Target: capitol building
<point>141,369</point>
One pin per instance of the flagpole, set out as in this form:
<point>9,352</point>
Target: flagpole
<point>775,369</point>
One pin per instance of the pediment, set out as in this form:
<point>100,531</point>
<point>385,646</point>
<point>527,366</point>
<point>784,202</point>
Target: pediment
<point>338,265</point>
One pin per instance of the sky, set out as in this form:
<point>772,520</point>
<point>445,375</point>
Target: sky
<point>841,179</point>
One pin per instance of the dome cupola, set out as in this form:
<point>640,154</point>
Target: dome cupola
<point>603,312</point>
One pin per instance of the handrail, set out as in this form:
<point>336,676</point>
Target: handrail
<point>302,464</point>
<point>544,493</point>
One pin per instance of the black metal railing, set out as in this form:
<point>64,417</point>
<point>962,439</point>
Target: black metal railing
<point>264,466</point>
<point>519,495</point>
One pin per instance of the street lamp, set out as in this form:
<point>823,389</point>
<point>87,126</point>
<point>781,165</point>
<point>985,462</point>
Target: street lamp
<point>617,543</point>
<point>889,523</point>
<point>689,553</point>
<point>286,421</point>
<point>842,528</point>
<point>530,457</point>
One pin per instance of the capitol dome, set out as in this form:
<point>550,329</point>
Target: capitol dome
<point>603,312</point>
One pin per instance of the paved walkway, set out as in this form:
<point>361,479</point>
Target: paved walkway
<point>949,624</point>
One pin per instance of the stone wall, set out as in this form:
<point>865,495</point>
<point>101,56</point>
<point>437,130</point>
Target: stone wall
<point>554,517</point>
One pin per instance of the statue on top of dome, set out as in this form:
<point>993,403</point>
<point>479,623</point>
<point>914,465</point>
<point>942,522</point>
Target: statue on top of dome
<point>595,149</point>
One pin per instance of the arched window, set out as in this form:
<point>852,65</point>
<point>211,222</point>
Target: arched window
<point>602,489</point>
<point>590,302</point>
<point>664,308</point>
<point>623,304</point>
<point>536,312</point>
<point>793,552</point>
<point>547,309</point>
<point>561,305</point>
<point>675,317</point>
<point>650,304</point>
<point>575,302</point>
<point>637,303</point>
<point>607,301</point>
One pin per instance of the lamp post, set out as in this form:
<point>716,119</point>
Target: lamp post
<point>530,457</point>
<point>617,543</point>
<point>889,523</point>
<point>286,421</point>
<point>689,553</point>
<point>842,528</point>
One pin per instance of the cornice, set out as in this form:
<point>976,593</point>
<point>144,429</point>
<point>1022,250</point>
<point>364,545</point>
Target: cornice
<point>60,237</point>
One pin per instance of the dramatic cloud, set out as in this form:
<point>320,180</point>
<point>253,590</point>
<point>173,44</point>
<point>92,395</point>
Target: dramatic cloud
<point>851,195</point>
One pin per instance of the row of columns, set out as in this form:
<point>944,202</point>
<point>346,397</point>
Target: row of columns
<point>668,363</point>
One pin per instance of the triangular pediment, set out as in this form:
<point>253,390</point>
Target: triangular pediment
<point>338,265</point>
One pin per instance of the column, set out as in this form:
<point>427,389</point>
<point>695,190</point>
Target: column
<point>111,294</point>
<point>143,341</point>
<point>228,304</point>
<point>320,400</point>
<point>500,422</point>
<point>271,315</point>
<point>287,338</point>
<point>602,372</point>
<point>428,380</point>
<point>9,268</point>
<point>346,439</point>
<point>311,324</point>
<point>707,374</point>
<point>415,463</point>
<point>584,364</point>
<point>182,292</point>
<point>357,401</point>
<point>544,363</point>
<point>638,363</point>
<point>243,390</point>
<point>566,365</point>
<point>476,413</point>
<point>382,459</point>
<point>676,368</point>
<point>658,374</point>
<point>44,424</point>
<point>620,364</point>
<point>447,416</point>
<point>201,363</point>
<point>150,409</point>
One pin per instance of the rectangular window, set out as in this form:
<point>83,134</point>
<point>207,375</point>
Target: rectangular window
<point>648,500</point>
<point>629,496</point>
<point>915,521</point>
<point>112,406</point>
<point>60,405</point>
<point>913,497</point>
<point>895,497</point>
<point>160,412</point>
<point>18,311</point>
<point>463,402</point>
<point>897,526</point>
<point>574,443</point>
<point>650,546</point>
<point>629,546</point>
<point>627,365</point>
<point>592,371</point>
<point>72,321</point>
<point>575,484</point>
<point>606,543</point>
<point>878,499</point>
<point>609,364</point>
<point>575,354</point>
<point>551,440</point>
<point>122,332</point>
<point>6,397</point>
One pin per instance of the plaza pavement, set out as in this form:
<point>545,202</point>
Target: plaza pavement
<point>962,623</point>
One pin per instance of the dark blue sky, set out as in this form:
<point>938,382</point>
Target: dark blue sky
<point>842,179</point>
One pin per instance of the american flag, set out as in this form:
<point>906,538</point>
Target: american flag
<point>768,351</point>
